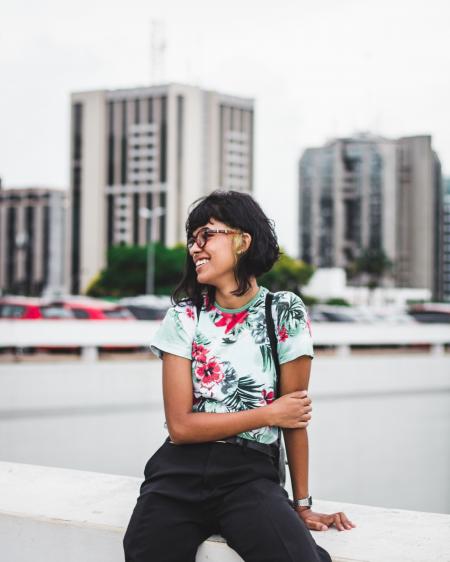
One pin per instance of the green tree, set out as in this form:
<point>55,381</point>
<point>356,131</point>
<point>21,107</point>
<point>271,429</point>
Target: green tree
<point>288,274</point>
<point>125,273</point>
<point>337,301</point>
<point>372,264</point>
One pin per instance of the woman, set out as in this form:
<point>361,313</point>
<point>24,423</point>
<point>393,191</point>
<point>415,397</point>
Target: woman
<point>217,472</point>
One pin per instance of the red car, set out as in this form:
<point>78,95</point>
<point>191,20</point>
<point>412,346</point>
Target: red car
<point>85,308</point>
<point>29,308</point>
<point>19,308</point>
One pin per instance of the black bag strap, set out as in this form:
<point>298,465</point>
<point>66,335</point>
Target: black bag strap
<point>274,349</point>
<point>273,339</point>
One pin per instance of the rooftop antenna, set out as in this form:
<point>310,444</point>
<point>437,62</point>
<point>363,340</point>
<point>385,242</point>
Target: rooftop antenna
<point>158,52</point>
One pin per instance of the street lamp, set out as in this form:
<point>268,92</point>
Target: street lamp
<point>148,215</point>
<point>21,243</point>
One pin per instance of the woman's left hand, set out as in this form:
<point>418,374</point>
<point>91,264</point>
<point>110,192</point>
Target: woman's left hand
<point>321,521</point>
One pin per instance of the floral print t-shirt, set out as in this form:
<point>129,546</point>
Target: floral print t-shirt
<point>232,365</point>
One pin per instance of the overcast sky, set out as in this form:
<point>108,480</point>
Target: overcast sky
<point>316,69</point>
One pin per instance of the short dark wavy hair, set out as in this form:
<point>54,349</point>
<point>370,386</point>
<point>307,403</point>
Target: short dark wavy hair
<point>239,211</point>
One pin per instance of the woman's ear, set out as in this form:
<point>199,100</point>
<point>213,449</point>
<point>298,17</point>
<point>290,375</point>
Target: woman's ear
<point>246,240</point>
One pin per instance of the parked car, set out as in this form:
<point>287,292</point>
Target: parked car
<point>327,313</point>
<point>85,308</point>
<point>432,313</point>
<point>20,308</point>
<point>147,307</point>
<point>30,308</point>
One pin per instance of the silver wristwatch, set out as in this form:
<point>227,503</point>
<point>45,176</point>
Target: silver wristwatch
<point>303,502</point>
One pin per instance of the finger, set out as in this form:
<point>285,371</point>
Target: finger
<point>346,521</point>
<point>315,525</point>
<point>338,523</point>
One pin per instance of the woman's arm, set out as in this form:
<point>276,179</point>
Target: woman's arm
<point>295,377</point>
<point>186,426</point>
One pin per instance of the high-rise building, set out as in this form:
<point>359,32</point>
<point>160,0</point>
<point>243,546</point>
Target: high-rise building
<point>148,148</point>
<point>445,252</point>
<point>371,192</point>
<point>33,241</point>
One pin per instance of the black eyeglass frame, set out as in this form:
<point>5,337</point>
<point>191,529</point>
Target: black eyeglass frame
<point>201,238</point>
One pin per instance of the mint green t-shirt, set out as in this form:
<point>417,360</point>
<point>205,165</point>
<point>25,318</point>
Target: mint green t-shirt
<point>232,366</point>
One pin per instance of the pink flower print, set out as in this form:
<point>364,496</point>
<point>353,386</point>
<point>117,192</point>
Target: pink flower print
<point>268,397</point>
<point>199,352</point>
<point>283,334</point>
<point>209,373</point>
<point>230,320</point>
<point>308,324</point>
<point>190,312</point>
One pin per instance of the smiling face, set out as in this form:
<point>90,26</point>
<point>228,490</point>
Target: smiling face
<point>215,262</point>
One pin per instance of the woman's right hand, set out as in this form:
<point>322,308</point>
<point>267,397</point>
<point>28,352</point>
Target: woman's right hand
<point>291,411</point>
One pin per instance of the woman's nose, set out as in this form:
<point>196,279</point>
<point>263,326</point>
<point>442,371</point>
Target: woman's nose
<point>194,249</point>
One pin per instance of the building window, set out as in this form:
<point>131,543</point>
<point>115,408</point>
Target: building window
<point>150,110</point>
<point>110,171</point>
<point>221,134</point>
<point>11,218</point>
<point>110,220</point>
<point>29,262</point>
<point>123,145</point>
<point>77,124</point>
<point>137,108</point>
<point>77,117</point>
<point>46,244</point>
<point>163,137</point>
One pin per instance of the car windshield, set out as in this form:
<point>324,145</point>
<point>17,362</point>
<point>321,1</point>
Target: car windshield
<point>11,311</point>
<point>55,312</point>
<point>117,313</point>
<point>80,313</point>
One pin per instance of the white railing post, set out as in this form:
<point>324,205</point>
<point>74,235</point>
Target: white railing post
<point>89,354</point>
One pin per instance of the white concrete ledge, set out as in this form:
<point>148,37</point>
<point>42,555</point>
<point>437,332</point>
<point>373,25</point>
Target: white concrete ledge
<point>52,514</point>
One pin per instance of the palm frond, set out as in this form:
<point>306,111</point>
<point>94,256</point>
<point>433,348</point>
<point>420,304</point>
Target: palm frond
<point>246,396</point>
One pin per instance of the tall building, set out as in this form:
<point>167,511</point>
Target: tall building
<point>147,148</point>
<point>372,192</point>
<point>32,241</point>
<point>445,252</point>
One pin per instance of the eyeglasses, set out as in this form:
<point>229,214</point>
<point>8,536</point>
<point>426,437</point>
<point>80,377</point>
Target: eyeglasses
<point>204,233</point>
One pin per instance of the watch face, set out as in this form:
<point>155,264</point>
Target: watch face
<point>304,502</point>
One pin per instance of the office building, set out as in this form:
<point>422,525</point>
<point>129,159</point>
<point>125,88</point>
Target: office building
<point>33,241</point>
<point>151,148</point>
<point>371,192</point>
<point>445,247</point>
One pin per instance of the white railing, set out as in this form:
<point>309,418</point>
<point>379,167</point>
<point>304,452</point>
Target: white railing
<point>90,334</point>
<point>52,514</point>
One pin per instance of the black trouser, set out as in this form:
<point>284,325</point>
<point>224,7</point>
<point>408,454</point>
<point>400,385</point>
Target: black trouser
<point>193,491</point>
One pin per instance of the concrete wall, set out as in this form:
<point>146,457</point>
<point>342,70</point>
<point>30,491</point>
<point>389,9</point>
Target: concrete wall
<point>52,514</point>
